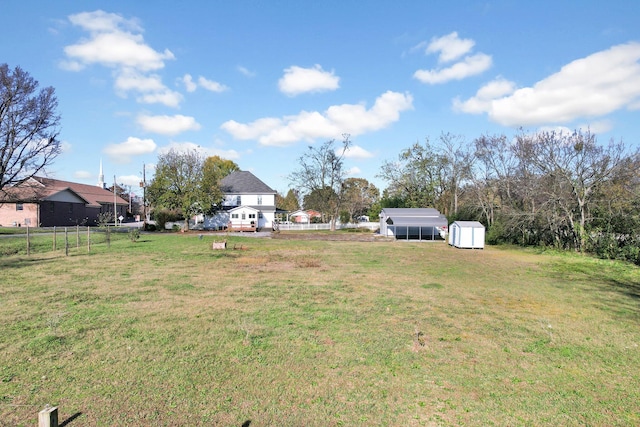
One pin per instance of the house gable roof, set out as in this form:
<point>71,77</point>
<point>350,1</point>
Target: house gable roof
<point>38,189</point>
<point>244,182</point>
<point>244,208</point>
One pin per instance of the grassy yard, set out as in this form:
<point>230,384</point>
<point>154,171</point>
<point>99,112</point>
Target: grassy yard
<point>167,332</point>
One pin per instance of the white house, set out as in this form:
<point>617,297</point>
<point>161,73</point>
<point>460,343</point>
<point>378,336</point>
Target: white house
<point>248,204</point>
<point>413,223</point>
<point>466,234</point>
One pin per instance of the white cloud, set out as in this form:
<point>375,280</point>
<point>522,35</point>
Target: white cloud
<point>354,171</point>
<point>116,42</point>
<point>132,180</point>
<point>470,66</point>
<point>207,84</point>
<point>451,47</point>
<point>211,85</point>
<point>101,21</point>
<point>357,152</point>
<point>354,119</point>
<point>167,125</point>
<point>297,80</point>
<point>205,151</point>
<point>117,49</point>
<point>83,175</point>
<point>189,83</point>
<point>245,71</point>
<point>485,95</point>
<point>589,87</point>
<point>124,151</point>
<point>149,85</point>
<point>167,97</point>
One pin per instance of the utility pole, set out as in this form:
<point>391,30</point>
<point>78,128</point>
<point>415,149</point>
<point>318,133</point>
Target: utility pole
<point>143,184</point>
<point>115,210</point>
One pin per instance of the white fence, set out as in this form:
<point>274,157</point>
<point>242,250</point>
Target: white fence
<point>306,227</point>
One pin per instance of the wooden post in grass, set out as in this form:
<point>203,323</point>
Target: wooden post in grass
<point>66,241</point>
<point>48,417</point>
<point>88,239</point>
<point>77,237</point>
<point>28,243</point>
<point>54,238</point>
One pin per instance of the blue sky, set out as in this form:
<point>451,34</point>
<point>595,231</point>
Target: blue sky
<point>257,82</point>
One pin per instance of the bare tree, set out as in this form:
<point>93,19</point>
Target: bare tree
<point>572,167</point>
<point>28,127</point>
<point>322,173</point>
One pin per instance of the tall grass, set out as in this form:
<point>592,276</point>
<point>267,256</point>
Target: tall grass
<point>167,331</point>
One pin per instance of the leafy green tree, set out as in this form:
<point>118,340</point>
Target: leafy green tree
<point>178,184</point>
<point>359,195</point>
<point>214,169</point>
<point>289,202</point>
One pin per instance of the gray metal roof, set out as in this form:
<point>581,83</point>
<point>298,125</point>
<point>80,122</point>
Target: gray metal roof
<point>413,212</point>
<point>244,182</point>
<point>469,224</point>
<point>440,221</point>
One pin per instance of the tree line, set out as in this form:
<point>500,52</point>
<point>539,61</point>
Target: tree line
<point>555,189</point>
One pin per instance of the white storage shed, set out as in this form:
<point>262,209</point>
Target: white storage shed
<point>466,234</point>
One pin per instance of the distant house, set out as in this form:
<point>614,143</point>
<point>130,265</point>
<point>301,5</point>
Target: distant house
<point>413,223</point>
<point>248,204</point>
<point>304,217</point>
<point>466,234</point>
<point>46,202</point>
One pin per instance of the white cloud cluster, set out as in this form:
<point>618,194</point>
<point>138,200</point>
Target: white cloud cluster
<point>298,80</point>
<point>589,87</point>
<point>167,125</point>
<point>354,119</point>
<point>356,152</point>
<point>207,84</point>
<point>452,48</point>
<point>124,151</point>
<point>116,42</point>
<point>205,151</point>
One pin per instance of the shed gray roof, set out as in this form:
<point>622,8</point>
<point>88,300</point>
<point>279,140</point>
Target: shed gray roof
<point>412,221</point>
<point>469,224</point>
<point>411,212</point>
<point>244,182</point>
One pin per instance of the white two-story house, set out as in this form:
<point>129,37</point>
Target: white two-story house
<point>248,205</point>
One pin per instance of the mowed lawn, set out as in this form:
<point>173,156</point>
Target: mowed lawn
<point>168,332</point>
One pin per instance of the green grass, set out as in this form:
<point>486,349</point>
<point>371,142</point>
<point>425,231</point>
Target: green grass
<point>167,331</point>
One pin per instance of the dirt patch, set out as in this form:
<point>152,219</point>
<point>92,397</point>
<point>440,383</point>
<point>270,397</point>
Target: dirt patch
<point>331,236</point>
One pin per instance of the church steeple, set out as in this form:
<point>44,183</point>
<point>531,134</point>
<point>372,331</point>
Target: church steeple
<point>101,182</point>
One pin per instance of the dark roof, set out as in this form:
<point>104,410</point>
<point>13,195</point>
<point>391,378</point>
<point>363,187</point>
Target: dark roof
<point>244,182</point>
<point>39,189</point>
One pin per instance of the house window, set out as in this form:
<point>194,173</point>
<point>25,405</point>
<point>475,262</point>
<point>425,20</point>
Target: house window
<point>238,201</point>
<point>234,216</point>
<point>51,206</point>
<point>252,216</point>
<point>259,214</point>
<point>19,206</point>
<point>70,208</point>
<point>244,215</point>
<point>259,200</point>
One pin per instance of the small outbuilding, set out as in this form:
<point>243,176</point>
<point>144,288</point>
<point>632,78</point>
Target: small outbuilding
<point>466,234</point>
<point>413,224</point>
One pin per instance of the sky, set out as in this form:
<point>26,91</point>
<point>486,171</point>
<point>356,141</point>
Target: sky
<point>259,82</point>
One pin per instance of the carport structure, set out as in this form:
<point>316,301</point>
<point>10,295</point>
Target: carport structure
<point>413,223</point>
